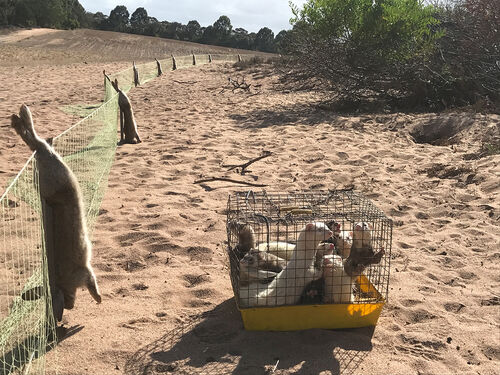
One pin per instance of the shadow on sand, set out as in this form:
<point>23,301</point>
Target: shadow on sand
<point>215,343</point>
<point>19,358</point>
<point>302,114</point>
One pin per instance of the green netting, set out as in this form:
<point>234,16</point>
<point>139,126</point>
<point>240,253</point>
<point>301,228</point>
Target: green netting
<point>202,59</point>
<point>88,148</point>
<point>184,61</point>
<point>27,328</point>
<point>149,71</point>
<point>225,58</point>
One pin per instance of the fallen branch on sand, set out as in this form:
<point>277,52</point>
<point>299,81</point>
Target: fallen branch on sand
<point>248,163</point>
<point>237,84</point>
<point>211,179</point>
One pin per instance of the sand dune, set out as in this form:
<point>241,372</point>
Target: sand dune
<point>159,250</point>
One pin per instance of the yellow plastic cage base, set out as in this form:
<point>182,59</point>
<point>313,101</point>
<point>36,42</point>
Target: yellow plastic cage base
<point>332,316</point>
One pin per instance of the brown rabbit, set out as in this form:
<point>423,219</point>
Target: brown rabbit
<point>60,190</point>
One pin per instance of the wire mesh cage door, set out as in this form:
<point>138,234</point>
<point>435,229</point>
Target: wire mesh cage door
<point>313,259</point>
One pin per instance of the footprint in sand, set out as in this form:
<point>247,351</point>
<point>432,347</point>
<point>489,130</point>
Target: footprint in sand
<point>199,253</point>
<point>417,268</point>
<point>454,307</point>
<point>193,280</point>
<point>132,237</point>
<point>410,302</point>
<point>140,286</point>
<point>203,293</point>
<point>122,292</point>
<point>159,244</point>
<point>467,275</point>
<point>198,303</point>
<point>428,349</point>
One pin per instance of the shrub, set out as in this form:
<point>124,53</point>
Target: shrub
<point>399,51</point>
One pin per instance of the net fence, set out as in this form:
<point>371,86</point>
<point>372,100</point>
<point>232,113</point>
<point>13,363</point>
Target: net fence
<point>149,71</point>
<point>27,327</point>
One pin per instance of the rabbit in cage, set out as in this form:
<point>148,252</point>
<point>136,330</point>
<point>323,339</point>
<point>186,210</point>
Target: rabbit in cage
<point>338,284</point>
<point>288,285</point>
<point>362,253</point>
<point>259,266</point>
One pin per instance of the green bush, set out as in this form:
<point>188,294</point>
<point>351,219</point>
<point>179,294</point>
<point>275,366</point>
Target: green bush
<point>402,52</point>
<point>361,49</point>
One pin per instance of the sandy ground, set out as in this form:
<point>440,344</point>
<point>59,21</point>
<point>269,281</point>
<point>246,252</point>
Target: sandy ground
<point>159,243</point>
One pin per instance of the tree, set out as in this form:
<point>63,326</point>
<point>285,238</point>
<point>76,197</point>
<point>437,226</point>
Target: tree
<point>264,40</point>
<point>24,14</point>
<point>209,35</point>
<point>173,31</point>
<point>153,27</point>
<point>98,20</point>
<point>50,13</point>
<point>281,41</point>
<point>118,19</point>
<point>240,39</point>
<point>139,20</point>
<point>7,10</point>
<point>193,30</point>
<point>251,40</point>
<point>222,29</point>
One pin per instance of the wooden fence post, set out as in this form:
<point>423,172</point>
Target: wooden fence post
<point>174,64</point>
<point>194,59</point>
<point>209,58</point>
<point>136,75</point>
<point>158,65</point>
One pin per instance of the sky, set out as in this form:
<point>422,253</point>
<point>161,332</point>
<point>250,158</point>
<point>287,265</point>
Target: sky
<point>251,15</point>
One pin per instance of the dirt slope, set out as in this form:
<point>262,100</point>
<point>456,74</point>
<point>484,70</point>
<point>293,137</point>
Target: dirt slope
<point>48,46</point>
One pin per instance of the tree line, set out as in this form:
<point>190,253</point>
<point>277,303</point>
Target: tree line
<point>70,14</point>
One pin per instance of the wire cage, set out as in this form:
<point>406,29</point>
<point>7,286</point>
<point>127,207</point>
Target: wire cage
<point>308,259</point>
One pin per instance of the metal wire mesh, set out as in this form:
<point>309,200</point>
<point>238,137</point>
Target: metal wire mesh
<point>296,248</point>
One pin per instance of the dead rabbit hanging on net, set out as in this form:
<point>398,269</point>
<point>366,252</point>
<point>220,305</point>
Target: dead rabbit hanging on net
<point>61,191</point>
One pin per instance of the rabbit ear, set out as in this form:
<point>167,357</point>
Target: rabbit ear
<point>310,226</point>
